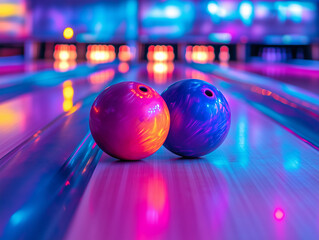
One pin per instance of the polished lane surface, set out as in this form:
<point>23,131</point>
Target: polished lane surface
<point>13,67</point>
<point>36,176</point>
<point>294,108</point>
<point>292,74</point>
<point>26,114</point>
<point>260,183</point>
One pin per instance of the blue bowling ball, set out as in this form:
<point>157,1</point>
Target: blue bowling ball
<point>200,118</point>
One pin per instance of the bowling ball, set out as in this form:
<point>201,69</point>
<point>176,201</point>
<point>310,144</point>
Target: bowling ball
<point>129,120</point>
<point>200,118</point>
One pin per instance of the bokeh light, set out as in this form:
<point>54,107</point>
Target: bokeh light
<point>68,33</point>
<point>279,214</point>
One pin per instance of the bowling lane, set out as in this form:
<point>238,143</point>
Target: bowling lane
<point>17,67</point>
<point>42,179</point>
<point>24,115</point>
<point>13,85</point>
<point>259,183</point>
<point>297,75</point>
<point>296,109</point>
<point>36,177</point>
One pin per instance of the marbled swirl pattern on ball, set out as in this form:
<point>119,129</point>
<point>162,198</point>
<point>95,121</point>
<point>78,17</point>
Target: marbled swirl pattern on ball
<point>129,120</point>
<point>200,118</point>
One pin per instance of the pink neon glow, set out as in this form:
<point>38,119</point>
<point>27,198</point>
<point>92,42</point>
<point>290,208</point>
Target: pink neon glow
<point>279,214</point>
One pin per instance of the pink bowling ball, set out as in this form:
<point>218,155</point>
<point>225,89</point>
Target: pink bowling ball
<point>129,120</point>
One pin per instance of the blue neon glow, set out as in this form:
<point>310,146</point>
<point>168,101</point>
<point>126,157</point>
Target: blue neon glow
<point>292,163</point>
<point>117,21</point>
<point>220,37</point>
<point>170,18</point>
<point>172,12</point>
<point>19,216</point>
<point>262,10</point>
<point>212,7</point>
<point>246,12</point>
<point>295,11</point>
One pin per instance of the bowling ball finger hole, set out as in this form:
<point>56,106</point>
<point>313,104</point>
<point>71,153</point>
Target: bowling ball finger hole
<point>209,93</point>
<point>143,89</point>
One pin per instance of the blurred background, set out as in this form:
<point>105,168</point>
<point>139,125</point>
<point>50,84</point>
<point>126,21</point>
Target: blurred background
<point>56,56</point>
<point>195,31</point>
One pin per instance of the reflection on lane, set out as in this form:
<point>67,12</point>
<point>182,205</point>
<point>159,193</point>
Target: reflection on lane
<point>63,66</point>
<point>287,73</point>
<point>296,115</point>
<point>17,67</point>
<point>42,180</point>
<point>68,93</point>
<point>34,110</point>
<point>160,72</point>
<point>249,187</point>
<point>42,195</point>
<point>152,200</point>
<point>244,188</point>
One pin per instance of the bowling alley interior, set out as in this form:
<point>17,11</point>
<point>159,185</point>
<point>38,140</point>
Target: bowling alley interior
<point>159,119</point>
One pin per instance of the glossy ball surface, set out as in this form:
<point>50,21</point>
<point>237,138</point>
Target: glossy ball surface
<point>200,118</point>
<point>129,120</point>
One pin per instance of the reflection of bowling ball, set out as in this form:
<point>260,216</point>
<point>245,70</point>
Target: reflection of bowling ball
<point>152,207</point>
<point>129,120</point>
<point>200,118</point>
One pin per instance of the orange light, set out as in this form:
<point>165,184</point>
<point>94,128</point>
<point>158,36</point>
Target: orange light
<point>160,56</point>
<point>68,33</point>
<point>160,71</point>
<point>11,10</point>
<point>124,67</point>
<point>64,55</point>
<point>160,53</point>
<point>159,67</point>
<point>100,53</point>
<point>200,54</point>
<point>67,83</point>
<point>125,53</point>
<point>68,93</point>
<point>63,66</point>
<point>9,118</point>
<point>102,77</point>
<point>64,52</point>
<point>67,105</point>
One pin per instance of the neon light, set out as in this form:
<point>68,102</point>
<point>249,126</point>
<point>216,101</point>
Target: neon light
<point>63,66</point>
<point>279,214</point>
<point>124,53</point>
<point>224,55</point>
<point>102,77</point>
<point>212,7</point>
<point>246,12</point>
<point>68,33</point>
<point>172,12</point>
<point>64,52</point>
<point>160,53</point>
<point>100,53</point>
<point>220,37</point>
<point>11,10</point>
<point>68,93</point>
<point>123,67</point>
